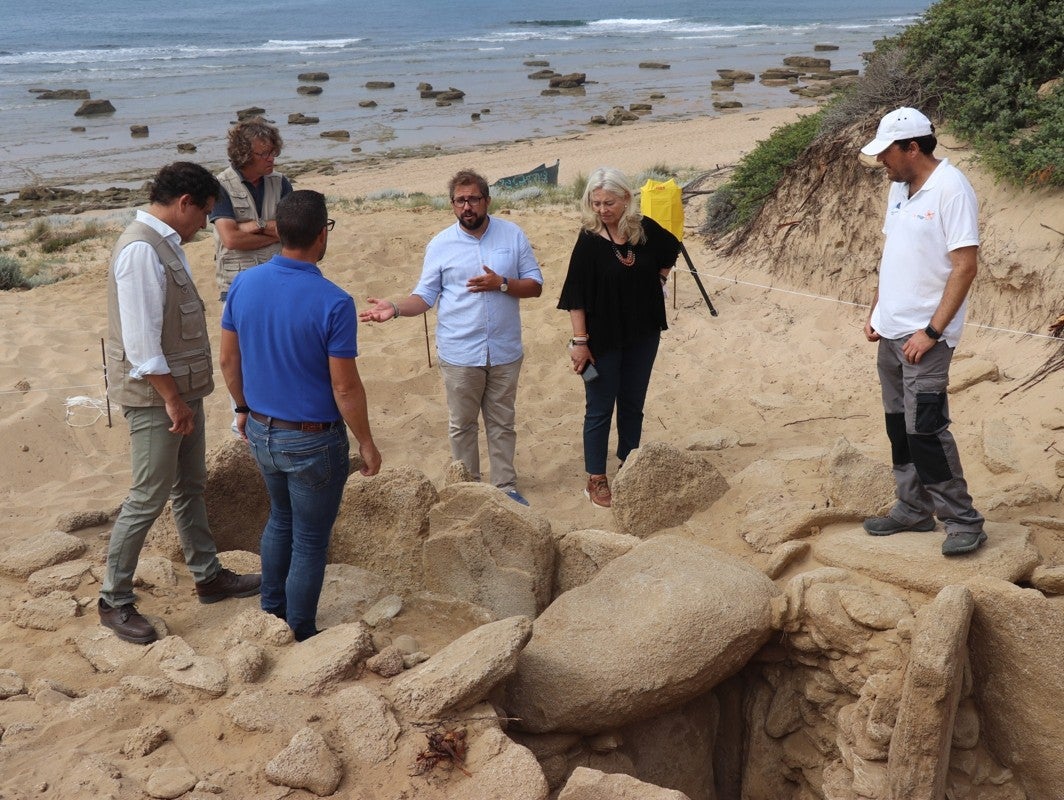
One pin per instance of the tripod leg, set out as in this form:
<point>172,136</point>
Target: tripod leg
<point>698,280</point>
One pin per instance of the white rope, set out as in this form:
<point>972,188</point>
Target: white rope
<point>388,336</point>
<point>81,401</point>
<point>736,281</point>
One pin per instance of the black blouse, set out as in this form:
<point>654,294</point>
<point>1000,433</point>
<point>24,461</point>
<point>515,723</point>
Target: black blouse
<point>622,304</point>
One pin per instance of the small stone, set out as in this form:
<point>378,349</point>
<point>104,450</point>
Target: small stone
<point>383,610</point>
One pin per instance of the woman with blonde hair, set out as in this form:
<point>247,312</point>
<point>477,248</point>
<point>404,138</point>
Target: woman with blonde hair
<point>615,299</point>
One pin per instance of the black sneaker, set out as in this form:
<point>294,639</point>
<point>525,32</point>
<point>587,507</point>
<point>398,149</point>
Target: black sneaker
<point>960,542</point>
<point>885,526</point>
<point>228,584</point>
<point>127,623</point>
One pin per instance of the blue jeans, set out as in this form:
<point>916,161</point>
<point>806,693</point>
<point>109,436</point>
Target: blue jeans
<point>624,376</point>
<point>305,475</point>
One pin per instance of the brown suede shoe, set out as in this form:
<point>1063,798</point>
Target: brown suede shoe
<point>127,623</point>
<point>228,584</point>
<point>598,491</point>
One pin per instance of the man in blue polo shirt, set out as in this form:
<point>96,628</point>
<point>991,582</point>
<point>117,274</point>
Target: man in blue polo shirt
<point>288,353</point>
<point>477,270</point>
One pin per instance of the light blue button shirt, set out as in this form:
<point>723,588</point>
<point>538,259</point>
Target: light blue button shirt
<point>475,329</point>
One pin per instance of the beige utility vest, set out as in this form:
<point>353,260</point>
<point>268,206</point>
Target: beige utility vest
<point>231,262</point>
<point>184,336</point>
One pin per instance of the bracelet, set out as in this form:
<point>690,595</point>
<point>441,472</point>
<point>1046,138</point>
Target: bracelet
<point>575,342</point>
<point>395,308</point>
<point>242,410</point>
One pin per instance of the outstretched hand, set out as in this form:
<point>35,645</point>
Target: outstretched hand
<point>381,311</point>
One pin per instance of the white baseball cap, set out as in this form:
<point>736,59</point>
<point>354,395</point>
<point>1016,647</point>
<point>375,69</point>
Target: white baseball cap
<point>902,123</point>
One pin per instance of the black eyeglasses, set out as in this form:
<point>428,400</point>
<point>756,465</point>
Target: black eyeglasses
<point>330,224</point>
<point>467,201</point>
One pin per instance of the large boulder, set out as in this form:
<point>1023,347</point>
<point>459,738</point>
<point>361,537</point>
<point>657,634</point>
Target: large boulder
<point>1016,649</point>
<point>858,481</point>
<point>581,554</point>
<point>486,549</point>
<point>236,499</point>
<point>463,673</point>
<point>918,760</point>
<point>26,556</point>
<point>92,108</point>
<point>660,486</point>
<point>915,560</point>
<point>655,628</point>
<point>591,784</point>
<point>383,523</point>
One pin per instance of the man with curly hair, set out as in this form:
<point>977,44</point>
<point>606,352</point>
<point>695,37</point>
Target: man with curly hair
<point>244,216</point>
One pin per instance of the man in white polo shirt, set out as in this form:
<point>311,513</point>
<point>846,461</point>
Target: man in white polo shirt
<point>928,264</point>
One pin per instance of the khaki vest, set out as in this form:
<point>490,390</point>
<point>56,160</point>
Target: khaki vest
<point>184,335</point>
<point>230,262</point>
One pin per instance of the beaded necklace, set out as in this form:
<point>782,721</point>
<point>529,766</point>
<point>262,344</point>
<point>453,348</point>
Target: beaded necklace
<point>627,259</point>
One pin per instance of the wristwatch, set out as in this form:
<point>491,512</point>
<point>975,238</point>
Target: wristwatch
<point>505,285</point>
<point>931,333</point>
<point>262,226</point>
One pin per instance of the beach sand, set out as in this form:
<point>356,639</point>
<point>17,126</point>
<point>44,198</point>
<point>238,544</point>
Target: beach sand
<point>780,376</point>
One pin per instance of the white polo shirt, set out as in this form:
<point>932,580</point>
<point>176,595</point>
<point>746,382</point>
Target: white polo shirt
<point>921,231</point>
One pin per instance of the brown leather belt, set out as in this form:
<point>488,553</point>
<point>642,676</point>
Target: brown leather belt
<point>306,427</point>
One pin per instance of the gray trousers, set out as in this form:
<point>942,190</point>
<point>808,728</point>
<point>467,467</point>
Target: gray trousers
<point>490,391</point>
<point>164,465</point>
<point>927,469</point>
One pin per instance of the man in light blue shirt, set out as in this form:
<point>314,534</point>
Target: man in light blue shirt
<point>477,271</point>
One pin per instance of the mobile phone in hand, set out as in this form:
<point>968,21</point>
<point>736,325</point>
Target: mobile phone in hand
<point>590,373</point>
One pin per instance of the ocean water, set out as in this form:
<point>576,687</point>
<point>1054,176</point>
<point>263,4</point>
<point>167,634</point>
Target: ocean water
<point>184,69</point>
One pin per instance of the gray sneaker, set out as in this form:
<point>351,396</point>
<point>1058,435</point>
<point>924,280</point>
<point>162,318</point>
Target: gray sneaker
<point>885,526</point>
<point>960,542</point>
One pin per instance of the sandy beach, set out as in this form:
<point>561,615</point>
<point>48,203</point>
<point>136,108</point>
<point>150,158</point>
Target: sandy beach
<point>771,385</point>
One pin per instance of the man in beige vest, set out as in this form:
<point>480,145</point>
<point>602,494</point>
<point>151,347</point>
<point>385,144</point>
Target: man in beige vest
<point>159,369</point>
<point>244,216</point>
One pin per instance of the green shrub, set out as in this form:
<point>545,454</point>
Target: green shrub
<point>983,61</point>
<point>735,203</point>
<point>11,274</point>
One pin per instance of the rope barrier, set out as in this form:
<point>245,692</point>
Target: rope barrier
<point>721,278</point>
<point>976,325</point>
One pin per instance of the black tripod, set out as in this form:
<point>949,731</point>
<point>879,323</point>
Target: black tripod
<point>698,280</point>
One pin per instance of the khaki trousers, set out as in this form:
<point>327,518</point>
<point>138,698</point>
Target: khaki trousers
<point>490,391</point>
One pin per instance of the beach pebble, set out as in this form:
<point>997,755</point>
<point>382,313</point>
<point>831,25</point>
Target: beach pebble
<point>302,119</point>
<point>380,84</point>
<point>309,90</point>
<point>186,147</point>
<point>313,77</point>
<point>367,103</point>
<point>138,130</point>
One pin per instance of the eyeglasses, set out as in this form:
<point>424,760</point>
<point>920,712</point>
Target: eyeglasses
<point>330,224</point>
<point>467,201</point>
<point>267,154</point>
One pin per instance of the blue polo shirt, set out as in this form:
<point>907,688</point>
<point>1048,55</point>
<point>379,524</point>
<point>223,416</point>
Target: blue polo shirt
<point>290,319</point>
<point>474,329</point>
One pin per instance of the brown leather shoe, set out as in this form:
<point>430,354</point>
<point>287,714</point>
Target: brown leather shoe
<point>228,584</point>
<point>598,491</point>
<point>127,623</point>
